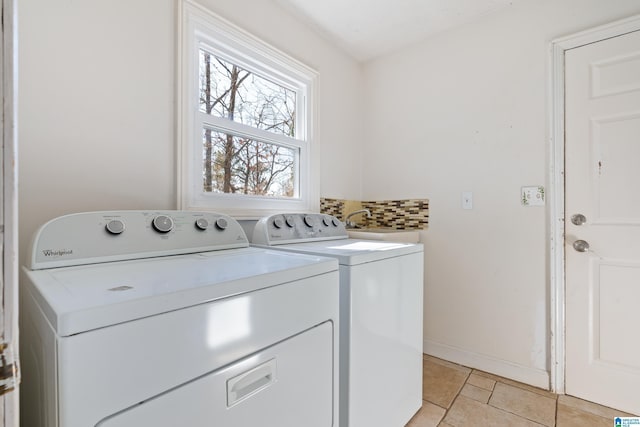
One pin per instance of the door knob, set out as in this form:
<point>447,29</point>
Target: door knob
<point>581,246</point>
<point>578,219</point>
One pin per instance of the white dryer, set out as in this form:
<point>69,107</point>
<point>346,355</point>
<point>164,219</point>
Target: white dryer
<point>381,291</point>
<point>169,318</point>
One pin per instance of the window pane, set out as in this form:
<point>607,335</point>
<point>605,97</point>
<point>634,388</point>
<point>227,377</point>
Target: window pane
<point>231,92</point>
<point>234,164</point>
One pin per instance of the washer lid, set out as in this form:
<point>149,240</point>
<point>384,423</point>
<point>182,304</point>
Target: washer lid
<point>81,298</point>
<point>353,251</point>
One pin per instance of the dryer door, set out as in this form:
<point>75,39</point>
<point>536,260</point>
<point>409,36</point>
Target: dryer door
<point>286,385</point>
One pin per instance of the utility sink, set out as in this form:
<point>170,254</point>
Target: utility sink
<point>386,234</point>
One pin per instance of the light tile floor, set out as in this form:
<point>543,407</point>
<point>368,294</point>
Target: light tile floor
<point>457,396</point>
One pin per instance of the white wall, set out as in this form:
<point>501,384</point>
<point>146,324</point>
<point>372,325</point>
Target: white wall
<point>97,102</point>
<point>467,111</point>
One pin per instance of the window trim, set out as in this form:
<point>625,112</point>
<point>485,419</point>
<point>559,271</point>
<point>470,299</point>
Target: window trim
<point>198,27</point>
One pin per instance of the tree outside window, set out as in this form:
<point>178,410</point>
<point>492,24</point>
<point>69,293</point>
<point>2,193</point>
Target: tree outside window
<point>244,164</point>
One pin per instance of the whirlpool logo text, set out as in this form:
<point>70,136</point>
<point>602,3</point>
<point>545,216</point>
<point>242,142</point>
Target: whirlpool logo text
<point>57,252</point>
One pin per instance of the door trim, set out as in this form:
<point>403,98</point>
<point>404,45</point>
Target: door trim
<point>557,297</point>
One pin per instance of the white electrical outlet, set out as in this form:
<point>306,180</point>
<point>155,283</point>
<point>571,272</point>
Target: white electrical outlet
<point>532,196</point>
<point>467,200</point>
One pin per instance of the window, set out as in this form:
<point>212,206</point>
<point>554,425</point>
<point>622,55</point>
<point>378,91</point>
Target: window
<point>245,122</point>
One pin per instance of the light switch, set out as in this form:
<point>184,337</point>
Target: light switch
<point>532,196</point>
<point>467,200</point>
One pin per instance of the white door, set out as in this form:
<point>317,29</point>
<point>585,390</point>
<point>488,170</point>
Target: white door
<point>9,368</point>
<point>603,184</point>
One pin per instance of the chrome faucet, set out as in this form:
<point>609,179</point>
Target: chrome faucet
<point>351,224</point>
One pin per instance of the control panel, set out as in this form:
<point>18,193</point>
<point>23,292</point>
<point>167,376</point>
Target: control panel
<point>296,228</point>
<point>91,237</point>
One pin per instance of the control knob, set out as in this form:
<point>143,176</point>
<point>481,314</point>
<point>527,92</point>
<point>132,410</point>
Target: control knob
<point>308,220</point>
<point>221,224</point>
<point>202,224</point>
<point>289,221</point>
<point>115,226</point>
<point>162,224</point>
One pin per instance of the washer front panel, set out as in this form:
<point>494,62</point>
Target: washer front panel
<point>128,363</point>
<point>275,387</point>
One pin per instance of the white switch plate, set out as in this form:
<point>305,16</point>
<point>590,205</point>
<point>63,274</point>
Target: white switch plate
<point>532,196</point>
<point>467,200</point>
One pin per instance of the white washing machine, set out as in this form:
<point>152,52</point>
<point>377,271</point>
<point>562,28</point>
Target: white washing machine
<point>165,319</point>
<point>381,289</point>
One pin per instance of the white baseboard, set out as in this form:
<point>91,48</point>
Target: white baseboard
<point>525,374</point>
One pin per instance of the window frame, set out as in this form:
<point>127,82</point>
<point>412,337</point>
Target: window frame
<point>200,28</point>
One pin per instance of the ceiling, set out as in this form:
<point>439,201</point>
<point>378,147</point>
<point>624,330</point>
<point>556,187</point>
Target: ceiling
<point>369,28</point>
